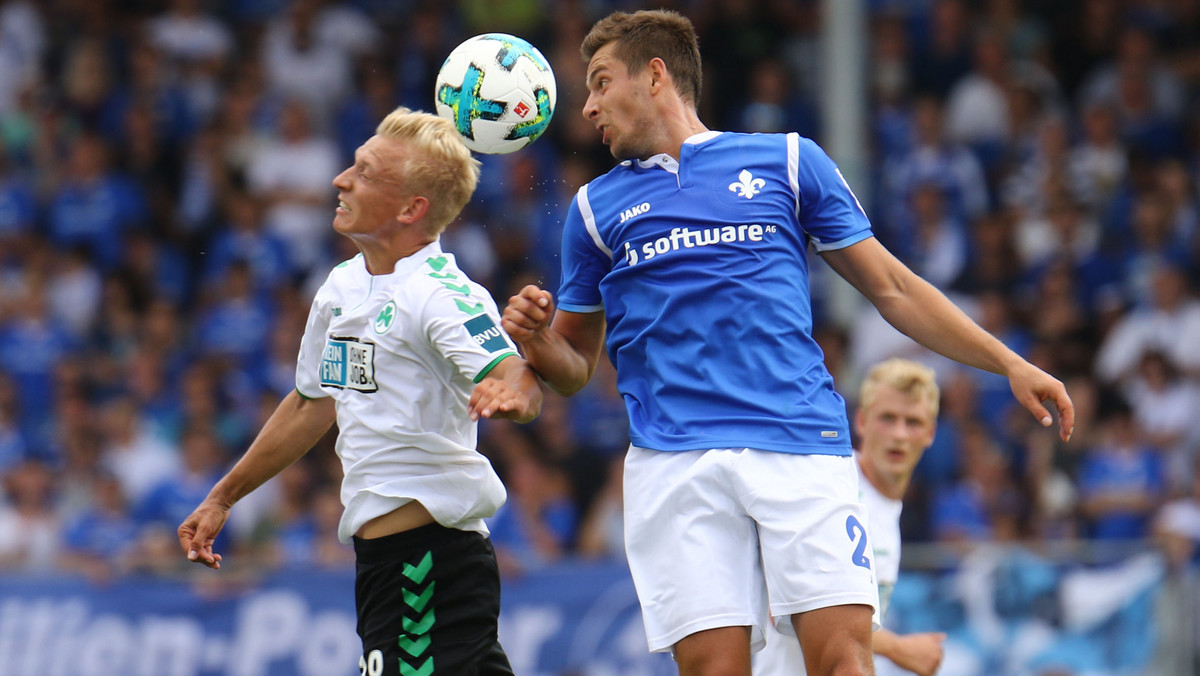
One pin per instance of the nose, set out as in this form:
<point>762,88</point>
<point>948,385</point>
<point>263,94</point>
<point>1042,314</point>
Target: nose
<point>341,180</point>
<point>590,109</point>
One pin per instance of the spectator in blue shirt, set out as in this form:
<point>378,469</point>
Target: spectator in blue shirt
<point>1121,479</point>
<point>95,206</point>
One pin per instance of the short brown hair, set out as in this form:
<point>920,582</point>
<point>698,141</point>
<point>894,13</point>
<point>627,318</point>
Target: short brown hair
<point>442,170</point>
<point>650,34</point>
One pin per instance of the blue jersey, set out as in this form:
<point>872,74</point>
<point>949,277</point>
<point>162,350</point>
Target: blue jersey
<point>701,269</point>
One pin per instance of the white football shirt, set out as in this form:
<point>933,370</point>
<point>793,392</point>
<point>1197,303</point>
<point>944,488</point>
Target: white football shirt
<point>883,526</point>
<point>400,354</point>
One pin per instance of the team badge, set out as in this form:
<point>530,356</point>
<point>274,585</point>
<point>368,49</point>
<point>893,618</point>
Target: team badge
<point>383,320</point>
<point>747,186</point>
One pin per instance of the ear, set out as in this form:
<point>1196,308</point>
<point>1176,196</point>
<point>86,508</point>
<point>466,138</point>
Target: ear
<point>413,210</point>
<point>860,420</point>
<point>659,75</point>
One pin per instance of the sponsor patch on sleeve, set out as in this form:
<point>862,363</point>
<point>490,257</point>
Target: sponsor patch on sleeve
<point>485,332</point>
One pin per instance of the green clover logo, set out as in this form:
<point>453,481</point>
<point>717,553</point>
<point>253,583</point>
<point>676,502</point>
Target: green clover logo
<point>383,321</point>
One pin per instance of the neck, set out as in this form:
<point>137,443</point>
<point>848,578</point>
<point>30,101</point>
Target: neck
<point>889,486</point>
<point>381,255</point>
<point>679,122</point>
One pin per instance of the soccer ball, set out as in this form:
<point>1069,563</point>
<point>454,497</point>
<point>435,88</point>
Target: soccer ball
<point>499,92</point>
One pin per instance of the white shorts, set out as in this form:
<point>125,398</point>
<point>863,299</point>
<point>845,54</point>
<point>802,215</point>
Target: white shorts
<point>718,538</point>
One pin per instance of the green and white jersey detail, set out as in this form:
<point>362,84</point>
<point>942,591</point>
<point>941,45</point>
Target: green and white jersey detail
<point>883,527</point>
<point>400,354</point>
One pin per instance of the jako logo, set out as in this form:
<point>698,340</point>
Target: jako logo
<point>688,238</point>
<point>635,211</point>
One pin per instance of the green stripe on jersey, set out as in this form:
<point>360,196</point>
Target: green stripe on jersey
<point>492,364</point>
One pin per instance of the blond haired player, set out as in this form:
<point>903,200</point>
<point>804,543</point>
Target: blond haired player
<point>406,353</point>
<point>895,422</point>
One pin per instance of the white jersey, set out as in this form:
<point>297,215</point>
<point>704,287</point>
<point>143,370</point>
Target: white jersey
<point>782,653</point>
<point>400,354</point>
<point>883,525</point>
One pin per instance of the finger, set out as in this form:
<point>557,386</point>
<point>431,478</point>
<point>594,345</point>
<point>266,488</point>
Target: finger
<point>185,537</point>
<point>484,399</point>
<point>1066,417</point>
<point>522,315</point>
<point>1031,402</point>
<point>531,291</point>
<point>200,548</point>
<point>533,308</point>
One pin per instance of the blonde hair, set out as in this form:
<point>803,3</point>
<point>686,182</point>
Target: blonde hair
<point>441,170</point>
<point>908,377</point>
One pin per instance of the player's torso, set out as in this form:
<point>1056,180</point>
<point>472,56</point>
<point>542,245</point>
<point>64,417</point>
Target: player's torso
<point>707,298</point>
<point>379,365</point>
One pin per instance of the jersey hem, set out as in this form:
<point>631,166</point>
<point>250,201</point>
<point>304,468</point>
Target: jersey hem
<point>308,398</point>
<point>666,642</point>
<point>575,307</point>
<point>841,243</point>
<point>710,444</point>
<point>491,365</point>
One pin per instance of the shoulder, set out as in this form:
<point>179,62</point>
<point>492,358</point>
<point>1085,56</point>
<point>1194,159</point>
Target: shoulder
<point>614,178</point>
<point>349,269</point>
<point>343,277</point>
<point>439,286</point>
<point>736,141</point>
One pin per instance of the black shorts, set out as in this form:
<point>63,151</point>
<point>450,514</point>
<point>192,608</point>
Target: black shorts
<point>428,602</point>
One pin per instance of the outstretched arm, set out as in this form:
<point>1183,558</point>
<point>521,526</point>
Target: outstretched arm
<point>564,351</point>
<point>923,313</point>
<point>293,428</point>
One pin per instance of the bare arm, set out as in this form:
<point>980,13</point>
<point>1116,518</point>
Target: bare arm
<point>510,390</point>
<point>921,312</point>
<point>564,351</point>
<point>293,428</point>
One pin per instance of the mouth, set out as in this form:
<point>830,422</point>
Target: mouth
<point>604,134</point>
<point>342,207</point>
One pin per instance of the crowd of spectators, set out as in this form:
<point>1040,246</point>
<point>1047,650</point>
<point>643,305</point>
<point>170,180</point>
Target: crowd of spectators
<point>165,207</point>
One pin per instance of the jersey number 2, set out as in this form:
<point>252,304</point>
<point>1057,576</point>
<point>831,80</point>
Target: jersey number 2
<point>858,535</point>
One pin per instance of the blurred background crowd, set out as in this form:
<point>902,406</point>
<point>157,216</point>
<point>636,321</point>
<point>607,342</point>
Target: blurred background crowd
<point>165,208</point>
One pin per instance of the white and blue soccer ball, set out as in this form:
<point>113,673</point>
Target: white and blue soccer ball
<point>499,92</point>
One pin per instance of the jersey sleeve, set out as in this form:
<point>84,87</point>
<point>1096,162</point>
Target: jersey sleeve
<point>826,206</point>
<point>465,328</point>
<point>312,349</point>
<point>585,259</point>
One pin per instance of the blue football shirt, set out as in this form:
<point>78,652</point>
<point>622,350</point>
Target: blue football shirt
<point>700,267</point>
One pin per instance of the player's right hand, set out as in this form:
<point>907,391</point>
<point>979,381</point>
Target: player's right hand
<point>920,653</point>
<point>197,532</point>
<point>528,313</point>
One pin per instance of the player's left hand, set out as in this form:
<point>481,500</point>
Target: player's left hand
<point>495,398</point>
<point>1032,386</point>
